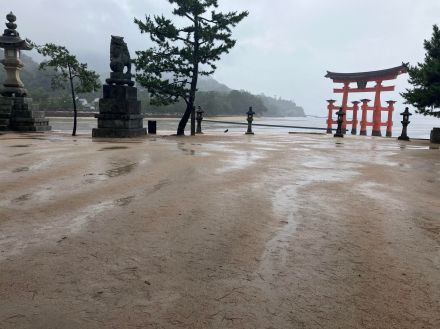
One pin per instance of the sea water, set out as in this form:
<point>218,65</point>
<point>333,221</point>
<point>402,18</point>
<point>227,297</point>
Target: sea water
<point>420,126</point>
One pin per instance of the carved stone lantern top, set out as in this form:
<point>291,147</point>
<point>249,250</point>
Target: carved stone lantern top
<point>11,37</point>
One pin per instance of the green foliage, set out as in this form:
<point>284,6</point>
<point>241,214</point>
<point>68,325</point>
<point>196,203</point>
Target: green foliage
<point>170,70</point>
<point>67,68</point>
<point>425,77</point>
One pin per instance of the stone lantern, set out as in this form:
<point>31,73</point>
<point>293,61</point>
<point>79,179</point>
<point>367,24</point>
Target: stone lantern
<point>199,119</point>
<point>16,108</point>
<point>405,122</point>
<point>250,119</point>
<point>340,114</point>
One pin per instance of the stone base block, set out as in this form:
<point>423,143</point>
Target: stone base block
<point>19,114</point>
<point>4,124</point>
<point>130,106</point>
<point>435,136</point>
<point>121,124</point>
<point>119,113</point>
<point>119,92</point>
<point>118,133</point>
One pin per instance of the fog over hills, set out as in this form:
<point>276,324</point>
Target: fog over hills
<point>214,97</point>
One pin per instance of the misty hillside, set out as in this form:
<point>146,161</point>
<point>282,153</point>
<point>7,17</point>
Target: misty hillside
<point>214,97</point>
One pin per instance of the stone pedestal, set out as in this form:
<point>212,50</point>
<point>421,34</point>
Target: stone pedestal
<point>435,136</point>
<point>120,114</point>
<point>19,114</point>
<point>6,104</point>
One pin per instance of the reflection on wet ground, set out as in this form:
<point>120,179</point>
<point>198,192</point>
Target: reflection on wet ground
<point>114,148</point>
<point>23,145</point>
<point>21,169</point>
<point>19,155</point>
<point>125,201</point>
<point>121,170</point>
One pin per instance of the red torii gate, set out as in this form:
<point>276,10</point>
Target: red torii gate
<point>362,79</point>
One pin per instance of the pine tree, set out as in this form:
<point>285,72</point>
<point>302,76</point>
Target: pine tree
<point>170,70</point>
<point>425,77</point>
<point>68,70</point>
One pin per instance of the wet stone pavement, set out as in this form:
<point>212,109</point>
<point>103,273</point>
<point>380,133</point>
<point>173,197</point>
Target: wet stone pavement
<point>219,231</point>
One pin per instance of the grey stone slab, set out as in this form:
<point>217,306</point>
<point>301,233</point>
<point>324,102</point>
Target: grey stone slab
<point>120,124</point>
<point>119,92</point>
<point>118,133</point>
<point>131,106</point>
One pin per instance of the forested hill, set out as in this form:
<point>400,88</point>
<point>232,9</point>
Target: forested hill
<point>215,98</point>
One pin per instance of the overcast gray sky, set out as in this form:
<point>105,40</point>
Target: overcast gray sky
<point>284,47</point>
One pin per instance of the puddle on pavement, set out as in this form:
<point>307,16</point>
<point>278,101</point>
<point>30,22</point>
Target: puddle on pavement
<point>239,161</point>
<point>19,155</point>
<point>191,151</point>
<point>161,184</point>
<point>20,145</point>
<point>285,206</point>
<point>121,170</point>
<point>23,198</point>
<point>110,148</point>
<point>125,201</point>
<point>21,169</point>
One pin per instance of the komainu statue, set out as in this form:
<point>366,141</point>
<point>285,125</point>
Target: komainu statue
<point>119,60</point>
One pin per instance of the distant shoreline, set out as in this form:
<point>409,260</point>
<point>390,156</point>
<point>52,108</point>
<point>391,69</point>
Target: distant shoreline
<point>69,114</point>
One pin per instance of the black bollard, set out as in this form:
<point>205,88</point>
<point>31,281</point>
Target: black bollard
<point>250,118</point>
<point>152,127</point>
<point>405,122</point>
<point>199,119</point>
<point>340,114</point>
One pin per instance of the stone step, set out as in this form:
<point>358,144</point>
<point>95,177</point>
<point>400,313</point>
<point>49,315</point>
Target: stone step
<point>31,128</point>
<point>27,114</point>
<point>29,120</point>
<point>118,133</point>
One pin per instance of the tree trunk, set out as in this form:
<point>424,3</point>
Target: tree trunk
<point>193,121</point>
<point>75,112</point>
<point>195,75</point>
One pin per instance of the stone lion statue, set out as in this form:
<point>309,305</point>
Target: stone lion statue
<point>119,56</point>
